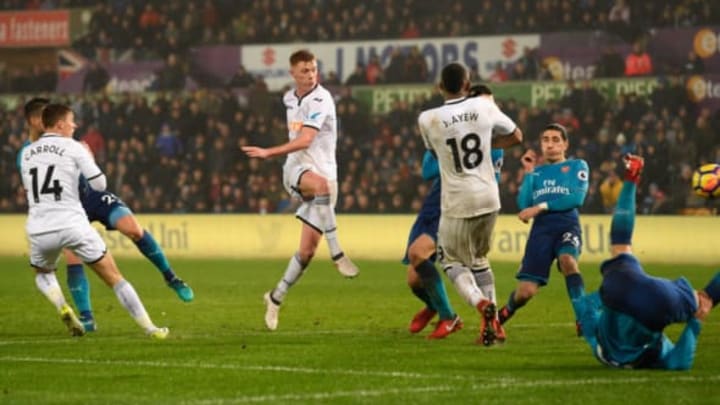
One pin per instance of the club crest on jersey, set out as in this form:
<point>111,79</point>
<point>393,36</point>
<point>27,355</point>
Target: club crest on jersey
<point>565,169</point>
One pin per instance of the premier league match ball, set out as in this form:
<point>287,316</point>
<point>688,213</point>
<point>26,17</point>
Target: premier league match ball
<point>706,180</point>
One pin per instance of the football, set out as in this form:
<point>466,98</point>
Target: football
<point>706,180</point>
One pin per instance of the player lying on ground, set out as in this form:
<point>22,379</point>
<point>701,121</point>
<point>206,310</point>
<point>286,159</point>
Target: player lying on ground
<point>623,321</point>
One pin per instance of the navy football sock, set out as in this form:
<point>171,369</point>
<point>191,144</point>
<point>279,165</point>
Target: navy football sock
<point>623,220</point>
<point>576,290</point>
<point>152,250</point>
<point>423,296</point>
<point>435,289</point>
<point>79,289</point>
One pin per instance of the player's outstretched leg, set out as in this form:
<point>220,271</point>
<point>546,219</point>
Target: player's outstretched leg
<point>623,220</point>
<point>295,269</point>
<point>272,310</point>
<point>47,283</point>
<point>485,279</point>
<point>327,215</point>
<point>423,317</point>
<point>107,270</point>
<point>489,323</point>
<point>130,300</point>
<point>435,289</point>
<point>149,247</point>
<point>79,288</point>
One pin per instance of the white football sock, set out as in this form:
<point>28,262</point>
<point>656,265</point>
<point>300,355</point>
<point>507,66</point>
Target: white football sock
<point>131,301</point>
<point>47,284</point>
<point>294,270</point>
<point>485,280</point>
<point>464,283</point>
<point>326,212</point>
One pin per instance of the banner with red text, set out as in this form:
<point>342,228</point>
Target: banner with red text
<point>34,28</point>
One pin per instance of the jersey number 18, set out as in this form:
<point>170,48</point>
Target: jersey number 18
<point>56,188</point>
<point>466,155</point>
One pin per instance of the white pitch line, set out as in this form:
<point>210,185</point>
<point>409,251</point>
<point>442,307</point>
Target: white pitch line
<point>502,381</point>
<point>494,384</point>
<point>191,365</point>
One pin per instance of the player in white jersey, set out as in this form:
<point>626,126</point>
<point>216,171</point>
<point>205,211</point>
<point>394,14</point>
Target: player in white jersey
<point>461,133</point>
<point>51,169</point>
<point>309,174</point>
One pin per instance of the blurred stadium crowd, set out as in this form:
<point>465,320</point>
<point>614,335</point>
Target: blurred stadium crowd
<point>180,151</point>
<point>159,26</point>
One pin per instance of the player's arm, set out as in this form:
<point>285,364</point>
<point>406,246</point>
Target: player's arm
<point>505,131</point>
<point>578,190</point>
<point>505,141</point>
<point>524,197</point>
<point>430,166</point>
<point>682,354</point>
<point>318,110</point>
<point>90,169</point>
<point>302,141</point>
<point>497,155</point>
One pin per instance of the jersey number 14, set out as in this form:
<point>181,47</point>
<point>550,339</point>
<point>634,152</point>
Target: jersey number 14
<point>56,188</point>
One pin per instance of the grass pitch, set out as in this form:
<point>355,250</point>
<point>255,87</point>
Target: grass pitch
<point>339,341</point>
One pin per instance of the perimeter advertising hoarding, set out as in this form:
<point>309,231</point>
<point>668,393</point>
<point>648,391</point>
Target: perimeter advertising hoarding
<point>702,89</point>
<point>657,239</point>
<point>381,98</point>
<point>34,28</point>
<point>271,60</point>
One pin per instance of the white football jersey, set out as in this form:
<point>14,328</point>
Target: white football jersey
<point>51,168</point>
<point>315,109</point>
<point>460,132</point>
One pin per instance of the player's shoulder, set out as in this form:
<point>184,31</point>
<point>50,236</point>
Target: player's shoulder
<point>579,163</point>
<point>320,95</point>
<point>289,97</point>
<point>430,112</point>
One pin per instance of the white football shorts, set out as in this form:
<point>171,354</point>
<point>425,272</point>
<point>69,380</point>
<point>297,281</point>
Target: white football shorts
<point>83,240</point>
<point>466,240</point>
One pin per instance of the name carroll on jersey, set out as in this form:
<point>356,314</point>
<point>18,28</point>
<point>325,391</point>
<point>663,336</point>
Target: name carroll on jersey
<point>31,151</point>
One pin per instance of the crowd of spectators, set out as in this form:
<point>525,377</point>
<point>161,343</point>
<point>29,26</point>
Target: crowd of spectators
<point>155,29</point>
<point>180,152</point>
<point>132,30</point>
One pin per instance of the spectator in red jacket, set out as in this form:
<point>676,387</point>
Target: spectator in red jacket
<point>638,63</point>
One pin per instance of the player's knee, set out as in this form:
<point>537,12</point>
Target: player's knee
<point>525,292</point>
<point>135,234</point>
<point>568,265</point>
<point>413,280</point>
<point>420,250</point>
<point>128,226</point>
<point>322,187</point>
<point>418,256</point>
<point>306,254</point>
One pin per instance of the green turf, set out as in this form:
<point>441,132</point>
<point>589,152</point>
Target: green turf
<point>339,341</point>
